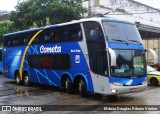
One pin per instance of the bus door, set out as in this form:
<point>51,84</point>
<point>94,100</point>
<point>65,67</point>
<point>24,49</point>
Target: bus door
<point>97,56</point>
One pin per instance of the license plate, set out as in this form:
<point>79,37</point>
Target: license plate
<point>133,89</point>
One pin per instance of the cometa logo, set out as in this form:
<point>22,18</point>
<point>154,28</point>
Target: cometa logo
<point>55,49</point>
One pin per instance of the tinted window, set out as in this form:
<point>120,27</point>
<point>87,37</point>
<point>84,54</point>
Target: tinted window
<point>96,48</point>
<point>19,39</point>
<point>57,61</point>
<point>34,61</point>
<point>74,32</point>
<point>65,33</point>
<point>64,61</point>
<point>121,31</point>
<point>93,31</point>
<point>129,63</point>
<point>60,34</point>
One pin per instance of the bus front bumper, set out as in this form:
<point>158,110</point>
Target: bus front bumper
<point>115,90</point>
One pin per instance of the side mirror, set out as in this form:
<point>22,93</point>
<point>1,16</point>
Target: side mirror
<point>113,56</point>
<point>155,56</point>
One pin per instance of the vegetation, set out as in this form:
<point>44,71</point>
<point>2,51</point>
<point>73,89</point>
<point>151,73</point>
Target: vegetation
<point>39,13</point>
<point>5,27</point>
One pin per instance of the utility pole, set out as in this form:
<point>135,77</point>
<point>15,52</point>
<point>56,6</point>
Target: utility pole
<point>89,8</point>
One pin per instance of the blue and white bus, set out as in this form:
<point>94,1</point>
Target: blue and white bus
<point>95,55</point>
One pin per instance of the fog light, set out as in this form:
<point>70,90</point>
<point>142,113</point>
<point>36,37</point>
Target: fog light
<point>114,91</point>
<point>117,84</point>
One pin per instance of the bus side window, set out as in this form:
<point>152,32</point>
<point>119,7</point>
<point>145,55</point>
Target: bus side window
<point>9,43</point>
<point>36,40</point>
<point>79,37</point>
<point>16,42</point>
<point>74,32</point>
<point>25,41</point>
<point>34,61</point>
<point>5,41</point>
<point>93,31</point>
<point>60,34</point>
<point>47,37</point>
<point>46,61</point>
<point>52,36</point>
<point>93,34</point>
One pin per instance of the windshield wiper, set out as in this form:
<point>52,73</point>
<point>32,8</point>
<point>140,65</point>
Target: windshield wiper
<point>136,41</point>
<point>120,41</point>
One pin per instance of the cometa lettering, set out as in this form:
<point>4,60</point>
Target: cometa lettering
<point>55,49</point>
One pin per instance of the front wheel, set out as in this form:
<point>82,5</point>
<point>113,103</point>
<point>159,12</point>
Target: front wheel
<point>82,88</point>
<point>17,77</point>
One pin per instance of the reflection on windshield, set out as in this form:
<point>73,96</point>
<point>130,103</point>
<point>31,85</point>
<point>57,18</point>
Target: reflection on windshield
<point>130,63</point>
<point>122,31</point>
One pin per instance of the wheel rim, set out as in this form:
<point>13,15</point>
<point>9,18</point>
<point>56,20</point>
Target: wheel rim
<point>26,80</point>
<point>80,86</point>
<point>17,79</point>
<point>66,85</point>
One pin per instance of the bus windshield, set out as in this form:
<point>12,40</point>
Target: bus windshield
<point>122,32</point>
<point>130,63</point>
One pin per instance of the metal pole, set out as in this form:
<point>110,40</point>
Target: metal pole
<point>89,8</point>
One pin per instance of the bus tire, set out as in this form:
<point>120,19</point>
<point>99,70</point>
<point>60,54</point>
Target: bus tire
<point>82,88</point>
<point>26,79</point>
<point>68,86</point>
<point>17,77</point>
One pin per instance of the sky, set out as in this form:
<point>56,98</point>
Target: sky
<point>9,5</point>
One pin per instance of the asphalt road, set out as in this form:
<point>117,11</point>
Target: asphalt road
<point>50,97</point>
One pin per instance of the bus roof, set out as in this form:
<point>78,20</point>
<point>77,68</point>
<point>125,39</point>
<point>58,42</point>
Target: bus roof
<point>98,19</point>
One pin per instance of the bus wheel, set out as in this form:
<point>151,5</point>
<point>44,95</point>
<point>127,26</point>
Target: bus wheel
<point>82,88</point>
<point>154,82</point>
<point>26,80</point>
<point>68,86</point>
<point>17,77</point>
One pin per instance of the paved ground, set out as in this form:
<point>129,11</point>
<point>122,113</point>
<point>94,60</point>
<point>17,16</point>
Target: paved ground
<point>11,94</point>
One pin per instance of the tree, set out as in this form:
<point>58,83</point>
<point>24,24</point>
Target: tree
<point>66,10</point>
<point>38,12</point>
<point>5,27</point>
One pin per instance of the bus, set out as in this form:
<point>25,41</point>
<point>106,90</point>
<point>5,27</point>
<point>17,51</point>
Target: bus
<point>93,55</point>
<point>1,60</point>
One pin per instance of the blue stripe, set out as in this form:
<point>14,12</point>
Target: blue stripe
<point>125,46</point>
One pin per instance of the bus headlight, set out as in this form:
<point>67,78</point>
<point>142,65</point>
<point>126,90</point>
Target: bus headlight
<point>144,82</point>
<point>114,91</point>
<point>117,84</point>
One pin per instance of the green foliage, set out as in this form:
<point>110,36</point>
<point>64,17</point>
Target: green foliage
<point>65,11</point>
<point>5,27</point>
<point>36,12</point>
